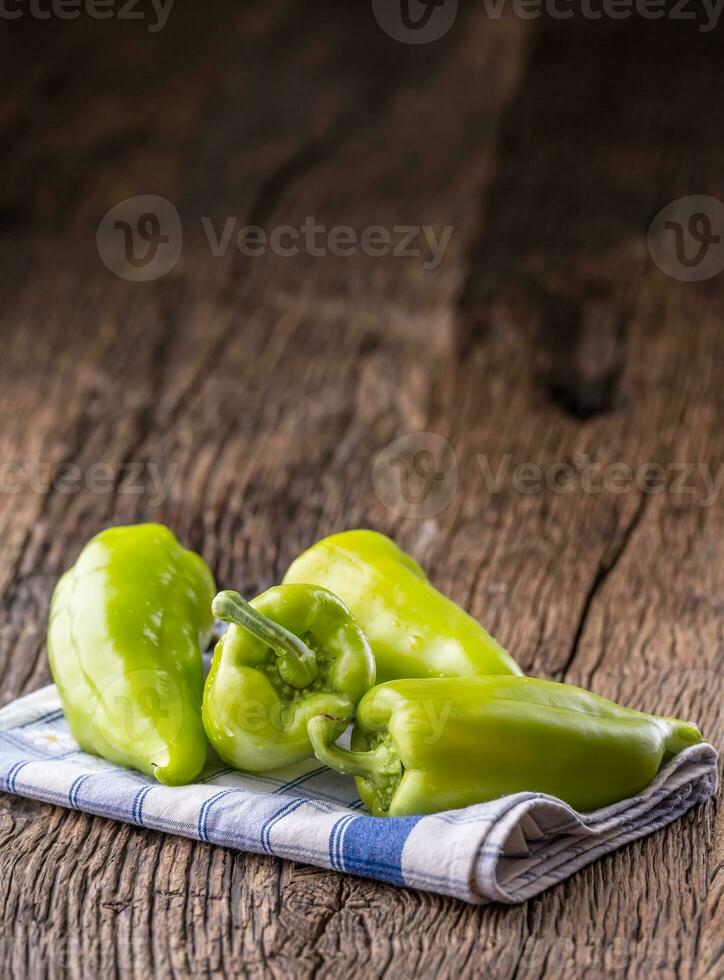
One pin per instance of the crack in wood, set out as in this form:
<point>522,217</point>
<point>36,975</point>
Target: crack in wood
<point>607,565</point>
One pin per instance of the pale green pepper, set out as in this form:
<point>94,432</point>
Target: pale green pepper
<point>127,625</point>
<point>290,654</point>
<point>422,746</point>
<point>413,629</point>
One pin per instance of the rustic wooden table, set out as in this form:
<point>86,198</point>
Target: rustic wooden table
<point>244,401</point>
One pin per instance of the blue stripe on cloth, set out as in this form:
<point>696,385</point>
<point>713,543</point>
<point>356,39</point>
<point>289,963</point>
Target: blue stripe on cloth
<point>373,847</point>
<point>137,806</point>
<point>37,750</point>
<point>285,787</point>
<point>215,774</point>
<point>335,791</point>
<point>73,798</point>
<point>12,774</point>
<point>336,839</point>
<point>202,824</point>
<point>265,835</point>
<point>54,715</point>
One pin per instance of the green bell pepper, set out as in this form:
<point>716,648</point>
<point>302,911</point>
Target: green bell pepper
<point>126,628</point>
<point>422,746</point>
<point>413,629</point>
<point>292,653</point>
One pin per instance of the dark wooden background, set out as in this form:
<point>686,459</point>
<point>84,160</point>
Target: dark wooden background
<point>266,387</point>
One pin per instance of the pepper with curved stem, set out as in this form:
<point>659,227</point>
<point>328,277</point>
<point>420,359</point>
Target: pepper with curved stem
<point>290,654</point>
<point>373,764</point>
<point>297,663</point>
<point>438,744</point>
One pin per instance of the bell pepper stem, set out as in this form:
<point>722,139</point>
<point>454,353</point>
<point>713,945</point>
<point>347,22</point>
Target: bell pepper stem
<point>297,662</point>
<point>374,765</point>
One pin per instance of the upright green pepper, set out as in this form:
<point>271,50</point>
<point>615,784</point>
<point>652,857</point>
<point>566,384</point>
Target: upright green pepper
<point>413,629</point>
<point>292,653</point>
<point>127,624</point>
<point>422,746</point>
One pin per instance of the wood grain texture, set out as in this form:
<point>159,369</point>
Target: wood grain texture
<point>264,389</point>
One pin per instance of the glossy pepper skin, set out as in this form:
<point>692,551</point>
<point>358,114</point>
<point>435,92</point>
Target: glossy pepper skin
<point>422,746</point>
<point>127,624</point>
<point>413,629</point>
<point>292,653</point>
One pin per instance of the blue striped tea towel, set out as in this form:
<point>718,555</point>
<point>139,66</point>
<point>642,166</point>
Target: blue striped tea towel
<point>504,851</point>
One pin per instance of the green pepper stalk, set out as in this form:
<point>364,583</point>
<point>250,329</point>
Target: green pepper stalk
<point>127,626</point>
<point>413,629</point>
<point>291,654</point>
<point>296,662</point>
<point>423,746</point>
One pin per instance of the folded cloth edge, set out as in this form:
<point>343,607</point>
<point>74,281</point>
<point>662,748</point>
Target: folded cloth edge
<point>688,779</point>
